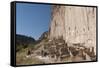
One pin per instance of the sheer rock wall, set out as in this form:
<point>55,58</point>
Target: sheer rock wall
<point>74,24</point>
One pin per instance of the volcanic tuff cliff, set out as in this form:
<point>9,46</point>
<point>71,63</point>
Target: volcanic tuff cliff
<point>74,25</point>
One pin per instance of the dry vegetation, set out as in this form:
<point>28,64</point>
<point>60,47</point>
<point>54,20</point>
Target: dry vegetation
<point>23,59</point>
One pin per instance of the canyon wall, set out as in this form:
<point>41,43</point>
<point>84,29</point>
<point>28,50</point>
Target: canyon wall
<point>57,27</point>
<point>74,24</point>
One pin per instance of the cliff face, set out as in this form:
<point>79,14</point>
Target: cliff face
<point>74,24</point>
<point>57,27</point>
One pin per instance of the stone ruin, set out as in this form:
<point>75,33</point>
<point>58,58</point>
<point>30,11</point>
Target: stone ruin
<point>58,50</point>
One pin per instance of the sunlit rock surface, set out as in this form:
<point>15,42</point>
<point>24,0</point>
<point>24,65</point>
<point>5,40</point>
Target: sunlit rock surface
<point>74,25</point>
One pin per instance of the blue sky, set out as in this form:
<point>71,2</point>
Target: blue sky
<point>32,19</point>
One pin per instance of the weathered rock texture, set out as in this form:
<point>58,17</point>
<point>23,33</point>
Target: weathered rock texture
<point>74,25</point>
